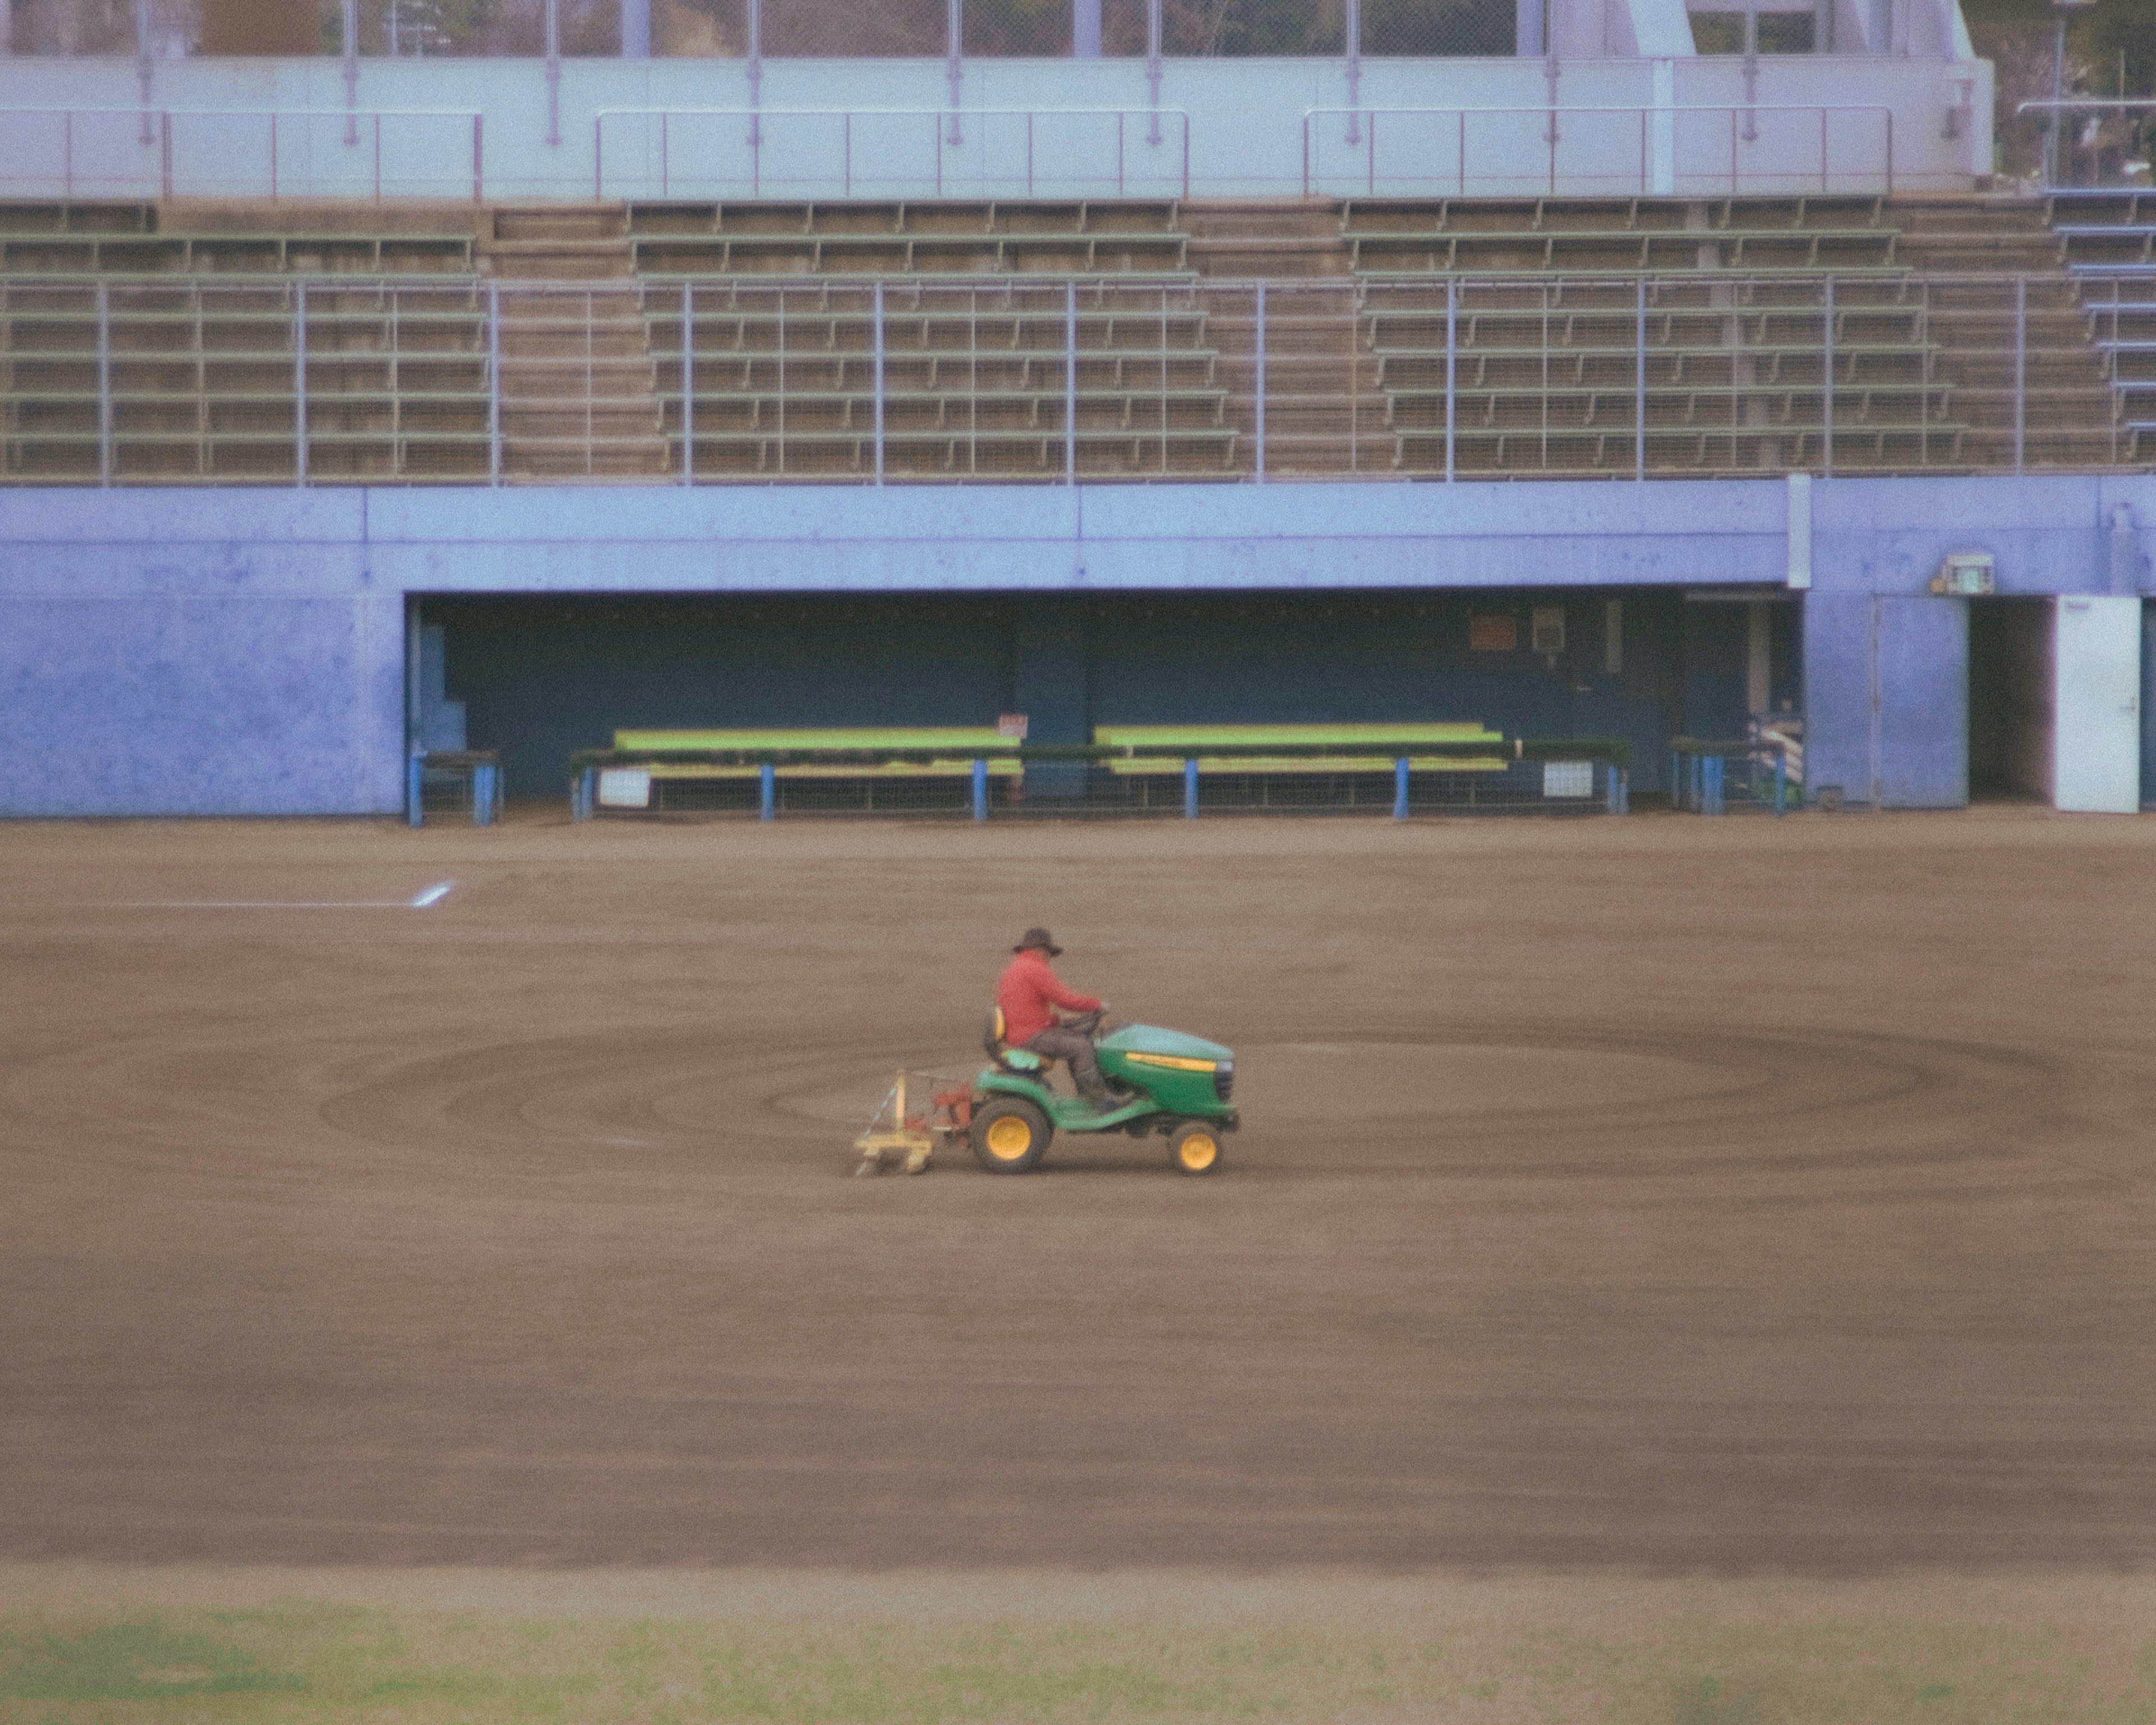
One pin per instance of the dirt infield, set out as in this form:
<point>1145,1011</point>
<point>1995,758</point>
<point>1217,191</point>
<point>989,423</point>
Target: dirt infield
<point>1661,1194</point>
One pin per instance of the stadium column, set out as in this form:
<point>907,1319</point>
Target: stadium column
<point>1049,684</point>
<point>636,29</point>
<point>1085,28</point>
<point>1531,36</point>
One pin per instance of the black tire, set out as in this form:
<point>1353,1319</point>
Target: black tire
<point>1010,1135</point>
<point>1194,1147</point>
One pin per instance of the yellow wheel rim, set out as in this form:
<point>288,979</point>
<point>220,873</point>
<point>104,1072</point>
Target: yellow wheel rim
<point>1008,1138</point>
<point>1199,1151</point>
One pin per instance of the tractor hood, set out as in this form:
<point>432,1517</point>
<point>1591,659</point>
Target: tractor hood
<point>1151,1040</point>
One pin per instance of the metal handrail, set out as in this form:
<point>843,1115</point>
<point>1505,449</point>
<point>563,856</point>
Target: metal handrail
<point>1617,374</point>
<point>2062,105</point>
<point>942,120</point>
<point>155,129</point>
<point>1363,131</point>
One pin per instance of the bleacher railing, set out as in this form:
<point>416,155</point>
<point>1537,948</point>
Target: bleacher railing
<point>459,380</point>
<point>974,152</point>
<point>1683,151</point>
<point>2113,144</point>
<point>245,152</point>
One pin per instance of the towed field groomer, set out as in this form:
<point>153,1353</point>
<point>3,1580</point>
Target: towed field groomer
<point>1029,994</point>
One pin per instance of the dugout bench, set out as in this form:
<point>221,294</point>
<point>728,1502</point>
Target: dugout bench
<point>635,773</point>
<point>1400,751</point>
<point>1325,766</point>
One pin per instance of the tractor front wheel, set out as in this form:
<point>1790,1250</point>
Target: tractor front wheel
<point>1010,1135</point>
<point>1195,1146</point>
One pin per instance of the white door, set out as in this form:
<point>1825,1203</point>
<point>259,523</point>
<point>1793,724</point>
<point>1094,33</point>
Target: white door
<point>2097,742</point>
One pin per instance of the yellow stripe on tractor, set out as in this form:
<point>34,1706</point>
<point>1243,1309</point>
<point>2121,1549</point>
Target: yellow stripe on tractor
<point>1180,1063</point>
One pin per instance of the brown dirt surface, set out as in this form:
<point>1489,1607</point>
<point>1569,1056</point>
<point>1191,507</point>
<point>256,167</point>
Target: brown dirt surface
<point>1661,1194</point>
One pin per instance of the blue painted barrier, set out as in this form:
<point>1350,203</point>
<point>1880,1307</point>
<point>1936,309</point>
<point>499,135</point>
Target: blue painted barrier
<point>767,807</point>
<point>1400,790</point>
<point>980,790</point>
<point>415,779</point>
<point>1190,790</point>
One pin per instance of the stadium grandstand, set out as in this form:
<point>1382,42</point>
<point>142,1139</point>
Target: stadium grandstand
<point>1296,385</point>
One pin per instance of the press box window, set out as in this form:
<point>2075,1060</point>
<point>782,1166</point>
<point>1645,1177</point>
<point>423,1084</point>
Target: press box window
<point>1784,32</point>
<point>1734,33</point>
<point>1718,32</point>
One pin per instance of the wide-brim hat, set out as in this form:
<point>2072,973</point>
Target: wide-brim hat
<point>1041,938</point>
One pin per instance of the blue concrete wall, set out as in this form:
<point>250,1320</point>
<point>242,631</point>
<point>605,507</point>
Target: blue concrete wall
<point>241,651</point>
<point>151,664</point>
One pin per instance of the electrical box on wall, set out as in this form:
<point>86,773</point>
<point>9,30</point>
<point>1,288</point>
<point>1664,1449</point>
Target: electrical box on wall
<point>1965,574</point>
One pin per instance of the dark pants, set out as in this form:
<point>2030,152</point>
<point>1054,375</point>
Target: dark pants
<point>1061,1042</point>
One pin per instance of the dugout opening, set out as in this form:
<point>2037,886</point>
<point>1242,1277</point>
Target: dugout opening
<point>2012,700</point>
<point>538,677</point>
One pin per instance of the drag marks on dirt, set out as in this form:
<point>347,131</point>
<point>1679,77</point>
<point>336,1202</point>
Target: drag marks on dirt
<point>642,1086</point>
<point>1761,1115</point>
<point>1508,1114</point>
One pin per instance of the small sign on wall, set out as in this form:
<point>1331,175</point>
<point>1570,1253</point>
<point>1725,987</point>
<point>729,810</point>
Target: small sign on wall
<point>1568,778</point>
<point>1494,633</point>
<point>1549,629</point>
<point>625,788</point>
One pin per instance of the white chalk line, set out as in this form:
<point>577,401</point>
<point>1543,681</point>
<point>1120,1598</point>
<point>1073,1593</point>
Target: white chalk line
<point>425,900</point>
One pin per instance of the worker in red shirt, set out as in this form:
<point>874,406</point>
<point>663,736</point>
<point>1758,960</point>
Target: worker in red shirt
<point>1028,994</point>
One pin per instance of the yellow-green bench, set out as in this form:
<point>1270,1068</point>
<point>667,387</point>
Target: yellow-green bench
<point>1316,748</point>
<point>1160,751</point>
<point>640,759</point>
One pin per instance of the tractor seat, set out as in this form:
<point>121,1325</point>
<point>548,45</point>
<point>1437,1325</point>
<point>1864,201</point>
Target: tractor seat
<point>1022,1061</point>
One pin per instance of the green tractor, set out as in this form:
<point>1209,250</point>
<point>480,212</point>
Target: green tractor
<point>1160,1083</point>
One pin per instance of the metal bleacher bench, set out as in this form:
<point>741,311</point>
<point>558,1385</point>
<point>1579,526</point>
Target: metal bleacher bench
<point>1195,751</point>
<point>641,759</point>
<point>1303,748</point>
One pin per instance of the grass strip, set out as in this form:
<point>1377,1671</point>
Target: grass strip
<point>304,1661</point>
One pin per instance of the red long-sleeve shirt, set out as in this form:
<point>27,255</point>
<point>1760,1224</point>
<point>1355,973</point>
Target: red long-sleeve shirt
<point>1027,992</point>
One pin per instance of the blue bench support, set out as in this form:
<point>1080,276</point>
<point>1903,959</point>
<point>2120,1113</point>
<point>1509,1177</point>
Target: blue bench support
<point>1190,790</point>
<point>486,784</point>
<point>1400,788</point>
<point>767,783</point>
<point>980,790</point>
<point>1618,790</point>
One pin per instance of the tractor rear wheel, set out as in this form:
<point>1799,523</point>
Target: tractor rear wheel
<point>1195,1146</point>
<point>1010,1135</point>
